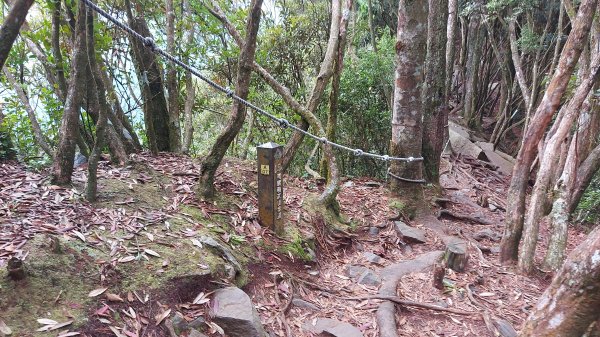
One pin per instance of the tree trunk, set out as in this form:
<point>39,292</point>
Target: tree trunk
<point>306,112</point>
<point>172,84</point>
<point>571,302</point>
<point>535,210</point>
<point>411,47</point>
<point>238,112</point>
<point>91,187</point>
<point>450,48</point>
<point>156,114</point>
<point>435,111</point>
<point>38,134</point>
<point>544,112</point>
<point>11,26</point>
<point>58,60</point>
<point>190,94</point>
<point>7,151</point>
<point>474,46</point>
<point>62,167</point>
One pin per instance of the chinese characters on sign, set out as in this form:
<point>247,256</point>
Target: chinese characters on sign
<point>270,186</point>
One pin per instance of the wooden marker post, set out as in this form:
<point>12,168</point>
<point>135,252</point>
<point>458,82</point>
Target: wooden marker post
<point>270,186</point>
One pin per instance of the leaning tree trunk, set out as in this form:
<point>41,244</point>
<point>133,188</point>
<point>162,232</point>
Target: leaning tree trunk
<point>190,92</point>
<point>435,111</point>
<point>7,151</point>
<point>149,73</point>
<point>544,112</point>
<point>571,302</point>
<point>11,26</point>
<point>411,47</point>
<point>238,112</point>
<point>38,134</point>
<point>62,167</point>
<point>328,196</point>
<point>535,210</point>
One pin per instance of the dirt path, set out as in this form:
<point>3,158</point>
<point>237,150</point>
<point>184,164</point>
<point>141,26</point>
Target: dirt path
<point>144,242</point>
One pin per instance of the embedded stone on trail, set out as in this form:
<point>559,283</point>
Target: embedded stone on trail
<point>409,234</point>
<point>233,311</point>
<point>331,327</point>
<point>363,275</point>
<point>373,258</point>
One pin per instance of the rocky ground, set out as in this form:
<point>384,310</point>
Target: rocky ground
<point>150,259</point>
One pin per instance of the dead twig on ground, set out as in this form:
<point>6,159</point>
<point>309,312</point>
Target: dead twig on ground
<point>408,303</point>
<point>445,212</point>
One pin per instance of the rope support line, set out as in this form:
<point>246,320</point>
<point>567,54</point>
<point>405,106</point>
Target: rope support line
<point>407,180</point>
<point>149,43</point>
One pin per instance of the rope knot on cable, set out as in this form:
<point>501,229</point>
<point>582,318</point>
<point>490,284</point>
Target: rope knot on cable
<point>410,159</point>
<point>149,42</point>
<point>358,152</point>
<point>283,123</point>
<point>323,140</point>
<point>229,92</point>
<point>386,157</point>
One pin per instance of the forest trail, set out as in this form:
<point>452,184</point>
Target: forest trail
<point>149,251</point>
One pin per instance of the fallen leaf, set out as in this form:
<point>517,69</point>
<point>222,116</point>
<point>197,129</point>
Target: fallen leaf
<point>116,331</point>
<point>4,329</point>
<point>60,325</point>
<point>128,258</point>
<point>114,298</point>
<point>151,252</point>
<point>487,294</point>
<point>47,321</point>
<point>79,235</point>
<point>68,334</point>
<point>96,292</point>
<point>160,317</point>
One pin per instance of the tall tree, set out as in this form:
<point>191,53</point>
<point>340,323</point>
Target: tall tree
<point>570,304</point>
<point>435,111</point>
<point>238,111</point>
<point>150,79</point>
<point>11,26</point>
<point>407,115</point>
<point>534,133</point>
<point>62,168</point>
<point>172,83</point>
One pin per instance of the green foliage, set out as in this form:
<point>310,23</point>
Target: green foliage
<point>589,207</point>
<point>528,41</point>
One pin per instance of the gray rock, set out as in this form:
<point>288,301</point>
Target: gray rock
<point>487,233</point>
<point>408,233</point>
<point>224,251</point>
<point>373,231</point>
<point>233,311</point>
<point>495,250</point>
<point>348,183</point>
<point>373,258</point>
<point>79,160</point>
<point>332,327</point>
<point>492,207</point>
<point>179,323</point>
<point>304,304</point>
<point>198,323</point>
<point>363,275</point>
<point>196,333</point>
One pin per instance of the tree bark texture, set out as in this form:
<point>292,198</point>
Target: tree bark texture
<point>238,112</point>
<point>62,167</point>
<point>435,111</point>
<point>570,304</point>
<point>538,200</point>
<point>411,47</point>
<point>450,48</point>
<point>190,95</point>
<point>534,133</point>
<point>474,45</point>
<point>61,85</point>
<point>11,26</point>
<point>156,113</point>
<point>91,188</point>
<point>172,83</point>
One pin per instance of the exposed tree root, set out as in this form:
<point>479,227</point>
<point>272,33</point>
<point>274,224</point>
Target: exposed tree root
<point>391,275</point>
<point>408,303</point>
<point>445,212</point>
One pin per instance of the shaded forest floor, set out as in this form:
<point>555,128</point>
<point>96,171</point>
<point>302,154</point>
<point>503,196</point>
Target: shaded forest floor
<point>148,254</point>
